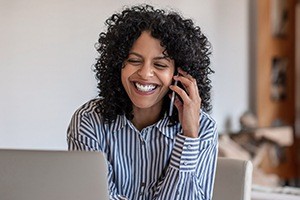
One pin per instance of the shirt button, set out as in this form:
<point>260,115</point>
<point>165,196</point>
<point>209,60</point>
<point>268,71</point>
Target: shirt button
<point>189,146</point>
<point>185,163</point>
<point>143,184</point>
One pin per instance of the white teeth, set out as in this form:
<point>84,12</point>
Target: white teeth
<point>145,88</point>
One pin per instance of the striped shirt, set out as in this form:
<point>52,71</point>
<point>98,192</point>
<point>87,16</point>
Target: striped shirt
<point>157,162</point>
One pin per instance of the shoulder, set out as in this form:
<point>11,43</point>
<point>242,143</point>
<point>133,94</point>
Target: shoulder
<point>208,126</point>
<point>89,107</point>
<point>84,130</point>
<point>89,110</point>
<point>207,119</point>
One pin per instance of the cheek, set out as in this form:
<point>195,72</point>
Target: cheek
<point>124,78</point>
<point>125,73</point>
<point>168,78</point>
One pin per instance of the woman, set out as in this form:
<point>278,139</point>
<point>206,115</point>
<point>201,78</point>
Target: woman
<point>150,154</point>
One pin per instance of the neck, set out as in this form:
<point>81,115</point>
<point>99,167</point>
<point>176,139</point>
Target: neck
<point>145,117</point>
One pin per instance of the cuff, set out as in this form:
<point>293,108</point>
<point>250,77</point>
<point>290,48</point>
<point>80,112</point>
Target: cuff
<point>185,153</point>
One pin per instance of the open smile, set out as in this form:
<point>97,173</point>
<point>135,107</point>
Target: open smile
<point>145,87</point>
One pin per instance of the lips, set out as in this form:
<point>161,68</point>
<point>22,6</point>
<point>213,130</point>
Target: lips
<point>145,87</point>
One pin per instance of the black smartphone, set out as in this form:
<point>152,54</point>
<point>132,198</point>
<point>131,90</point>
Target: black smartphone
<point>172,100</point>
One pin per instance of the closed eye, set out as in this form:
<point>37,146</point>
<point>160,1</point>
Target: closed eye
<point>160,65</point>
<point>134,61</point>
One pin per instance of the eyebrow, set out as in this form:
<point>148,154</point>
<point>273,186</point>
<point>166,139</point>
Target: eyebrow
<point>164,57</point>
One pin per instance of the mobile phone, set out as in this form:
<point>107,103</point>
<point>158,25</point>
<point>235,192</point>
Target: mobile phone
<point>172,100</point>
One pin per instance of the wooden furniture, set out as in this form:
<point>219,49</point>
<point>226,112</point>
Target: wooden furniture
<point>275,57</point>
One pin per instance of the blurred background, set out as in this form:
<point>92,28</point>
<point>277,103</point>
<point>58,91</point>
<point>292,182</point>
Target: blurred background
<point>47,54</point>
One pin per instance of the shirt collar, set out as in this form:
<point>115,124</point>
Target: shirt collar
<point>166,129</point>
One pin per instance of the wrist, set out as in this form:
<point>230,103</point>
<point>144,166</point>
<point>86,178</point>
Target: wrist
<point>191,133</point>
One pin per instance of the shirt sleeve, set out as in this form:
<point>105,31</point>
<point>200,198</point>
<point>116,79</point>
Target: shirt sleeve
<point>82,136</point>
<point>191,171</point>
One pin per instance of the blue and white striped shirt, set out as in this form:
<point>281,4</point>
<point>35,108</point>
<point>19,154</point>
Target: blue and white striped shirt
<point>155,163</point>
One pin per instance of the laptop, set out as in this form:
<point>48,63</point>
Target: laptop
<point>52,175</point>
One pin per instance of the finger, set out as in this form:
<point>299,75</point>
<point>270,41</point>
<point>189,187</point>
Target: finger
<point>187,75</point>
<point>179,91</point>
<point>190,87</point>
<point>178,104</point>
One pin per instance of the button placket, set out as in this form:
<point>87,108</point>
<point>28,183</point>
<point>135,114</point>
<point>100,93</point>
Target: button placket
<point>143,151</point>
<point>142,189</point>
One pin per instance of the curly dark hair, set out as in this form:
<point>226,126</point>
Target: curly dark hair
<point>183,41</point>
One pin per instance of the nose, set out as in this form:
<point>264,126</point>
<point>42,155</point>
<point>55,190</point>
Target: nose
<point>146,71</point>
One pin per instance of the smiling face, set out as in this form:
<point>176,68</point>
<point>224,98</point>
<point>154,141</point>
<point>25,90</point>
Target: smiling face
<point>147,73</point>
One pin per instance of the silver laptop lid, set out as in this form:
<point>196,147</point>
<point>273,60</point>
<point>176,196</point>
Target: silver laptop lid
<point>49,175</point>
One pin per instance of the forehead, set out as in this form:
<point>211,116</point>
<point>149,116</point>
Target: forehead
<point>147,45</point>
